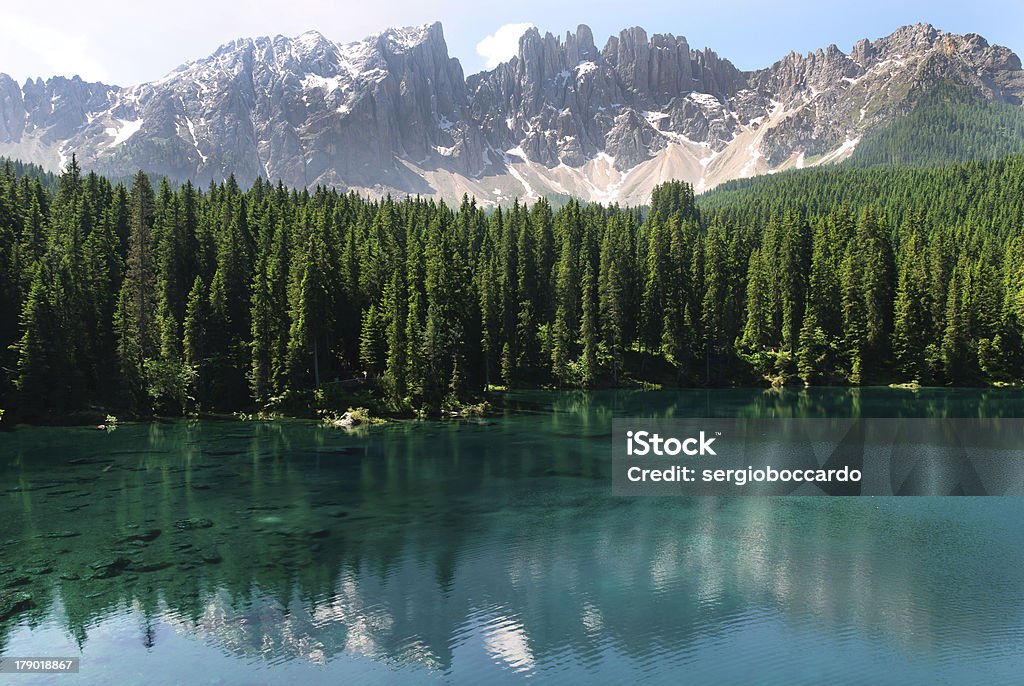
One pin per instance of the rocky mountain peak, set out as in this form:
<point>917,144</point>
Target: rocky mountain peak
<point>579,46</point>
<point>394,112</point>
<point>408,38</point>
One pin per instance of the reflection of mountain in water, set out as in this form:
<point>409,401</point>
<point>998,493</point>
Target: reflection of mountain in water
<point>285,541</point>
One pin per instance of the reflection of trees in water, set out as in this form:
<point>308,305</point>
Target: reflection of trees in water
<point>781,402</point>
<point>406,542</point>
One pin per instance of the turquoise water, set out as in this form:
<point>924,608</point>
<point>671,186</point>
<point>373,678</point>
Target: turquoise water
<point>489,551</point>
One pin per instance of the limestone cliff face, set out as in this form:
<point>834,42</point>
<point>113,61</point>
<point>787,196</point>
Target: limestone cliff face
<point>394,113</point>
<point>565,101</point>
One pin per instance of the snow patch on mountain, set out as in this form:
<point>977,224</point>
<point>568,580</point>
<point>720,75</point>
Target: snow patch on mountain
<point>123,130</point>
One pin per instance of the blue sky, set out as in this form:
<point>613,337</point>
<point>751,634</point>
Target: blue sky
<point>125,43</point>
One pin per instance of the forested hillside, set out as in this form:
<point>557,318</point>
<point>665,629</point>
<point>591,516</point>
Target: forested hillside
<point>945,123</point>
<point>169,300</point>
<point>18,169</point>
<point>980,194</point>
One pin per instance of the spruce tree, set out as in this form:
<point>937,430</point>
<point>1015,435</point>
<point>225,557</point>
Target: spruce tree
<point>138,332</point>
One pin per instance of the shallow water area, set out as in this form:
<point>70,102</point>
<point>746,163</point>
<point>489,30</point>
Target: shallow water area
<point>230,552</point>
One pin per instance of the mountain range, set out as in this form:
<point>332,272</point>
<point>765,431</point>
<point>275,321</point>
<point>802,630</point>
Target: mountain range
<point>394,113</point>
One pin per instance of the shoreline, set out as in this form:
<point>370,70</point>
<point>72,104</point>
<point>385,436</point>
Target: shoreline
<point>485,407</point>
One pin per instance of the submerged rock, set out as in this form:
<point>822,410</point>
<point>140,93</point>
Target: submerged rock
<point>12,604</point>
<point>193,523</point>
<point>39,569</point>
<point>144,535</point>
<point>107,569</point>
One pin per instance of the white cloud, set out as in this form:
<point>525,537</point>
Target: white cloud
<point>502,44</point>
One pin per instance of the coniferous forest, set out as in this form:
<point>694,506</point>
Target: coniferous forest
<point>944,123</point>
<point>150,298</point>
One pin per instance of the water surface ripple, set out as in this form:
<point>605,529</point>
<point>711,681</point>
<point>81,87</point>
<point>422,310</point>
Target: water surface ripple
<point>491,550</point>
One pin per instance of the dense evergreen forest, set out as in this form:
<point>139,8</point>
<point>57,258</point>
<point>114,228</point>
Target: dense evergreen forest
<point>944,123</point>
<point>170,300</point>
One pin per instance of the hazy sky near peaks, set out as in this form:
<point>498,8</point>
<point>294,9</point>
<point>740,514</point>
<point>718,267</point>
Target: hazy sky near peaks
<point>125,43</point>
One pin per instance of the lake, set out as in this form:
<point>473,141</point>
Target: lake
<point>489,550</point>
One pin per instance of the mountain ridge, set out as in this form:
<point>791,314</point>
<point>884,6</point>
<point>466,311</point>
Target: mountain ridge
<point>395,113</point>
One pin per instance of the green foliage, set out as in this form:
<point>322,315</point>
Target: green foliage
<point>137,327</point>
<point>28,171</point>
<point>181,300</point>
<point>985,196</point>
<point>945,123</point>
<point>922,287</point>
<point>169,385</point>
